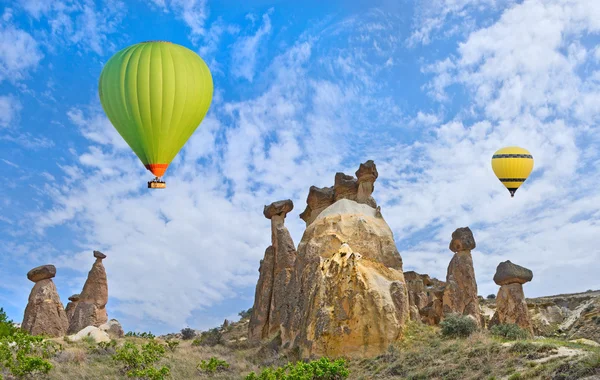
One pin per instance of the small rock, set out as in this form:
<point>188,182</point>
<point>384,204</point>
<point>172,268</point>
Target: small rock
<point>277,208</point>
<point>42,272</point>
<point>462,240</point>
<point>99,255</point>
<point>91,331</point>
<point>74,298</point>
<point>509,273</point>
<point>113,329</point>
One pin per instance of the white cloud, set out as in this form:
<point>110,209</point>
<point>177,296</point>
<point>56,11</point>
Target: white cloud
<point>10,107</point>
<point>86,24</point>
<point>246,49</point>
<point>19,53</point>
<point>432,16</point>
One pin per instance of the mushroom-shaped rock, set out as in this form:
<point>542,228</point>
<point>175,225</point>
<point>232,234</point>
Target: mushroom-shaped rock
<point>462,240</point>
<point>509,273</point>
<point>367,172</point>
<point>99,255</point>
<point>43,272</point>
<point>278,208</point>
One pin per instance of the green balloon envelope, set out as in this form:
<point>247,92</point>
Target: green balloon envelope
<point>155,94</point>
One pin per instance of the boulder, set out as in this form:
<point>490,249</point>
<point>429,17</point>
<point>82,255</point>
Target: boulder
<point>42,272</point>
<point>99,255</point>
<point>278,208</point>
<point>90,331</point>
<point>113,329</point>
<point>509,273</point>
<point>45,313</point>
<point>345,187</point>
<point>462,240</point>
<point>318,200</point>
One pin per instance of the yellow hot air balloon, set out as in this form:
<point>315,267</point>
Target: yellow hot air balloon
<point>512,165</point>
<point>155,94</point>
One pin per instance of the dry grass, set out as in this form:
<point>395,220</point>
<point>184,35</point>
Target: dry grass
<point>422,354</point>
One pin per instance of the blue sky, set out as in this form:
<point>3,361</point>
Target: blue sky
<point>427,89</point>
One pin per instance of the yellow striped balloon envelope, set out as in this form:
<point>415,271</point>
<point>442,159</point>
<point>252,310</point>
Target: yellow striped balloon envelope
<point>512,165</point>
<point>155,94</point>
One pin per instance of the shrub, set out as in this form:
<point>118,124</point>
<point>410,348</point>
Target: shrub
<point>25,355</point>
<point>172,345</point>
<point>245,313</point>
<point>138,363</point>
<point>196,342</point>
<point>509,331</point>
<point>6,325</point>
<point>455,325</point>
<point>144,335</point>
<point>211,337</point>
<point>213,365</point>
<point>321,369</point>
<point>187,333</point>
<point>491,296</point>
<point>104,348</point>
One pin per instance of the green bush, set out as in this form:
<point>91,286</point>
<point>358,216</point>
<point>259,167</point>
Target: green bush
<point>213,365</point>
<point>144,335</point>
<point>172,345</point>
<point>211,337</point>
<point>322,369</point>
<point>196,342</point>
<point>187,333</point>
<point>509,331</point>
<point>25,355</point>
<point>455,325</point>
<point>6,325</point>
<point>138,363</point>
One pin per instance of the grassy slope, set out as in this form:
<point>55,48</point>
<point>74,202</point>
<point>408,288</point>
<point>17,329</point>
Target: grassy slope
<point>423,354</point>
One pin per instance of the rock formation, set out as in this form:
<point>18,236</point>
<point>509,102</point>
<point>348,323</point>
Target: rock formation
<point>345,293</point>
<point>460,293</point>
<point>71,305</point>
<point>90,310</point>
<point>44,314</point>
<point>270,306</point>
<point>345,187</point>
<point>425,296</point>
<point>511,306</point>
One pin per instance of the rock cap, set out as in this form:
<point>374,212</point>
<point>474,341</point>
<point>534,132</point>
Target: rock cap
<point>509,273</point>
<point>99,255</point>
<point>462,240</point>
<point>277,208</point>
<point>367,172</point>
<point>74,298</point>
<point>42,272</point>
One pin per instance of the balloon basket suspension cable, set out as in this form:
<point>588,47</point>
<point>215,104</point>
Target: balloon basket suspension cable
<point>157,183</point>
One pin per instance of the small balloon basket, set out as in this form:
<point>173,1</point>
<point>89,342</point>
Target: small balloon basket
<point>157,183</point>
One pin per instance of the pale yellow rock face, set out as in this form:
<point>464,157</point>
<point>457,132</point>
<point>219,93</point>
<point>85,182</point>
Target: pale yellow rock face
<point>357,224</point>
<point>359,308</point>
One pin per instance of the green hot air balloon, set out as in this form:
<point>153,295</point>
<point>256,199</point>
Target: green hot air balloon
<point>155,94</point>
